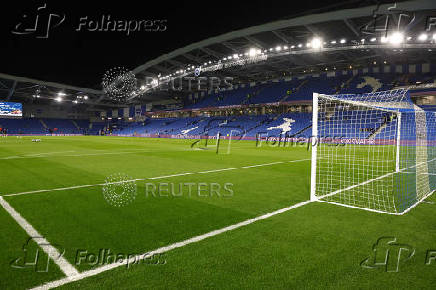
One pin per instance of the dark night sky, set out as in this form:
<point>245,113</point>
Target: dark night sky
<point>81,58</point>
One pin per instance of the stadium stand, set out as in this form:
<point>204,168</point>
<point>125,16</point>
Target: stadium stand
<point>300,90</point>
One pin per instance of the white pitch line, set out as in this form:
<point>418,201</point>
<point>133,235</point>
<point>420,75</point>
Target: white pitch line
<point>266,164</point>
<point>408,172</point>
<point>165,249</point>
<point>50,155</point>
<point>54,189</point>
<point>47,153</point>
<point>51,251</point>
<point>218,170</point>
<point>139,179</point>
<point>174,175</point>
<point>292,161</point>
<point>107,153</point>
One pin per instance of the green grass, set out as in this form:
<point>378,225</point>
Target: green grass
<point>316,246</point>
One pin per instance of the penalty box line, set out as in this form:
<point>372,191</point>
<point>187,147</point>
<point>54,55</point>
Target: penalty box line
<point>150,178</point>
<point>132,260</point>
<point>68,269</point>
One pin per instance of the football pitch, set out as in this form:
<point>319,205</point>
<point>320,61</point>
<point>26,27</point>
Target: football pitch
<point>240,219</point>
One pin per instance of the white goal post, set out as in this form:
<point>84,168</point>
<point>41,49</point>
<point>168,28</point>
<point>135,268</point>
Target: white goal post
<point>372,151</point>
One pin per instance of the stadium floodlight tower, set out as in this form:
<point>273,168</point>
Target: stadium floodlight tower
<point>374,151</point>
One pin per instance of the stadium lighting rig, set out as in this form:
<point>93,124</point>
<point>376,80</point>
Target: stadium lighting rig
<point>396,38</point>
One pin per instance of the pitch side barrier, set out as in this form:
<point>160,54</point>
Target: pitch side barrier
<point>17,135</point>
<point>324,140</point>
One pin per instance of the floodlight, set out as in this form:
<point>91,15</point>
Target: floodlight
<point>373,39</point>
<point>396,38</point>
<point>278,48</point>
<point>316,43</point>
<point>58,99</point>
<point>252,52</point>
<point>343,41</point>
<point>423,37</point>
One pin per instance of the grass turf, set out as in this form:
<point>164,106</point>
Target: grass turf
<point>316,246</point>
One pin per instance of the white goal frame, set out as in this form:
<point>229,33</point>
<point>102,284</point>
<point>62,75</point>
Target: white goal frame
<point>401,166</point>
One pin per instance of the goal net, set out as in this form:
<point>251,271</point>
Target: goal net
<point>373,151</point>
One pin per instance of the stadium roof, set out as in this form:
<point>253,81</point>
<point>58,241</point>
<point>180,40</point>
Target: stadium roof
<point>285,43</point>
<point>24,89</point>
<point>275,50</point>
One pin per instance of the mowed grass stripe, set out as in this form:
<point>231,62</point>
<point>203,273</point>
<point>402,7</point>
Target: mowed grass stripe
<point>151,178</point>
